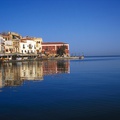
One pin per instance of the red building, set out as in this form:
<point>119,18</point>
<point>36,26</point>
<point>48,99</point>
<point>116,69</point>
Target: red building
<point>51,48</point>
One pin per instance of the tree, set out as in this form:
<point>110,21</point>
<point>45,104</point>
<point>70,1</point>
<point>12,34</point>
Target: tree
<point>61,50</point>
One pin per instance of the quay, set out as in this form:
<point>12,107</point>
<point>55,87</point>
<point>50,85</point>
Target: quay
<point>16,57</point>
<point>4,58</point>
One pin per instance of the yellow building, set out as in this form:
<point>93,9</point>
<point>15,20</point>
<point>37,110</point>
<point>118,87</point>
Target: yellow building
<point>11,42</point>
<point>38,44</point>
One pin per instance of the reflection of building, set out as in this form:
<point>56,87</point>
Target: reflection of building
<point>9,76</point>
<point>63,67</point>
<point>2,77</point>
<point>31,71</point>
<point>14,74</point>
<point>53,67</point>
<point>1,82</point>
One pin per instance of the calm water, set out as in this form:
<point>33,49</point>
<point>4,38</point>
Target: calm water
<point>86,89</point>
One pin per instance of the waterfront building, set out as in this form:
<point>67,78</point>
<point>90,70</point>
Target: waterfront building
<point>38,44</point>
<point>11,35</point>
<point>8,46</point>
<point>27,46</point>
<point>6,36</point>
<point>11,42</point>
<point>15,37</point>
<point>51,48</point>
<point>16,45</point>
<point>2,40</point>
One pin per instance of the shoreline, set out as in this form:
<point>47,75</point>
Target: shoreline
<point>41,59</point>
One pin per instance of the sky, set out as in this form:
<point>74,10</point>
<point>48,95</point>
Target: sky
<point>91,27</point>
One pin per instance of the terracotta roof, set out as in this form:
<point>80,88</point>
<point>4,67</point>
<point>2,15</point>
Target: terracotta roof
<point>24,41</point>
<point>44,43</point>
<point>27,39</point>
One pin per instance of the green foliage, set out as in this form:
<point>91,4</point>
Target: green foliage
<point>61,50</point>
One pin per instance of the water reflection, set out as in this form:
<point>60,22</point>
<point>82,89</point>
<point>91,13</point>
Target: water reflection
<point>13,74</point>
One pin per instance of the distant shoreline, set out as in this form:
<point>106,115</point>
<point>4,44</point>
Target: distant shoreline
<point>102,56</point>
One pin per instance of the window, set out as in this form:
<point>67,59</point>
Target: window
<point>10,49</point>
<point>30,46</point>
<point>38,41</point>
<point>23,46</point>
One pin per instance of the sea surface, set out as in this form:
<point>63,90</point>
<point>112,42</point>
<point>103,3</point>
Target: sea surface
<point>87,89</point>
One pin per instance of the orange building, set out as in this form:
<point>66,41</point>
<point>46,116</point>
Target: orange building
<point>50,48</point>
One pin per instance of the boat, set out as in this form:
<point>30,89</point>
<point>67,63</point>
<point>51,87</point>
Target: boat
<point>81,57</point>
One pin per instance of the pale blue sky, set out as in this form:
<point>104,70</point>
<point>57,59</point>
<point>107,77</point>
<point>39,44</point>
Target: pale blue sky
<point>91,27</point>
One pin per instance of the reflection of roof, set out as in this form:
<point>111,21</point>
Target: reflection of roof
<point>45,43</point>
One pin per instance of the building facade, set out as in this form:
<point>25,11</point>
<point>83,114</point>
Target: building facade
<point>9,46</point>
<point>2,46</point>
<point>11,35</point>
<point>12,40</point>
<point>27,46</point>
<point>38,45</point>
<point>51,48</point>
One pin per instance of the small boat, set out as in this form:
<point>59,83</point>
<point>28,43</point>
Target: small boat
<point>81,57</point>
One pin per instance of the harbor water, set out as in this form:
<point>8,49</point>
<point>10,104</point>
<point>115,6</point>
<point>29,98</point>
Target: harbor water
<point>87,89</point>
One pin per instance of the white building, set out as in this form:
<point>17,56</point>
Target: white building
<point>27,46</point>
<point>2,44</point>
<point>9,46</point>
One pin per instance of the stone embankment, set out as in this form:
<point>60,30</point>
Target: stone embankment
<point>40,59</point>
